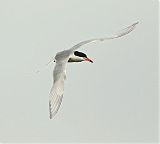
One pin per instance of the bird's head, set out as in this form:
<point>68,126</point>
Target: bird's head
<point>83,56</point>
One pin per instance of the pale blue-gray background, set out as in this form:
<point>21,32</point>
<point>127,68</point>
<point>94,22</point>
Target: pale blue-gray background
<point>113,100</point>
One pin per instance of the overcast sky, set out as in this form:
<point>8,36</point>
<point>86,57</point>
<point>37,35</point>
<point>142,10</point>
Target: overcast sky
<point>115,99</point>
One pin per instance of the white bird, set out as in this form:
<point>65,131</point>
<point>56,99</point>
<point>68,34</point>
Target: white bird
<point>71,55</point>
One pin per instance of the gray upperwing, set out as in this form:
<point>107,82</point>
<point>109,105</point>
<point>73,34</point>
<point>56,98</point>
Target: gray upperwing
<point>121,33</point>
<point>56,93</point>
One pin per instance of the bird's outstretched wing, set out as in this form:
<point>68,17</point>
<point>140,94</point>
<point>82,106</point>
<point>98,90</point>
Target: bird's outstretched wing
<point>56,93</point>
<point>116,35</point>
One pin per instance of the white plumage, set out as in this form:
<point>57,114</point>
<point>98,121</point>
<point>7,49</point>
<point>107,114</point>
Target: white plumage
<point>59,73</point>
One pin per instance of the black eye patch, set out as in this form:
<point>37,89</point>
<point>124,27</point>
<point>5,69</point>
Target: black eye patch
<point>80,54</point>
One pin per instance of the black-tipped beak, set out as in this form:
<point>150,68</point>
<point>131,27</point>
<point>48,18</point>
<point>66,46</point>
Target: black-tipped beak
<point>91,61</point>
<point>88,59</point>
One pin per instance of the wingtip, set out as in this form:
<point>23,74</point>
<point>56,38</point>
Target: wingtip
<point>50,117</point>
<point>136,23</point>
<point>50,113</point>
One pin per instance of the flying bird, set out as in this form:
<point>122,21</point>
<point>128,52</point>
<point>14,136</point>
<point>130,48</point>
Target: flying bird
<point>72,55</point>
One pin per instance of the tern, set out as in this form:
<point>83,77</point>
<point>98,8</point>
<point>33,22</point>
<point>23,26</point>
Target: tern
<point>72,55</point>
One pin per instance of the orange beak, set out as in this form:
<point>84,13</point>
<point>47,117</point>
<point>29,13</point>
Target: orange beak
<point>88,59</point>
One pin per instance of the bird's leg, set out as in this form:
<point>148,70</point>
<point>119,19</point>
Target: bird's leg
<point>46,65</point>
<point>52,60</point>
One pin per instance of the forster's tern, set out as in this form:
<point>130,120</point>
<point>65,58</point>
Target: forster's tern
<point>71,55</point>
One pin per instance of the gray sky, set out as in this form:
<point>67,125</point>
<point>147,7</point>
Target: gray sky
<point>113,100</point>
